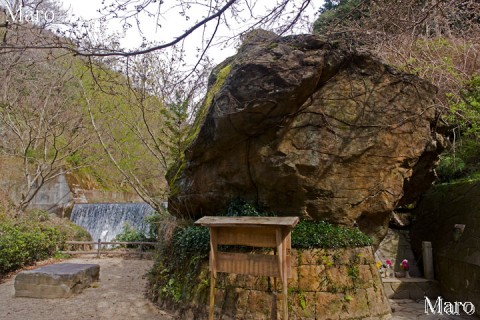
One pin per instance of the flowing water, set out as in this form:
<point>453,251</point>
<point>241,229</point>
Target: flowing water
<point>106,220</point>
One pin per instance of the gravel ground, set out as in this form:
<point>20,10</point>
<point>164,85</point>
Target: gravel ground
<point>119,295</point>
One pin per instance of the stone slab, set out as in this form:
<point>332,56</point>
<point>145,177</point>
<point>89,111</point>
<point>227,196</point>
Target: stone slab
<point>405,280</point>
<point>410,288</point>
<point>56,281</point>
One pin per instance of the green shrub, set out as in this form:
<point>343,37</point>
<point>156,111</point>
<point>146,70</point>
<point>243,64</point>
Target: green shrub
<point>337,12</point>
<point>29,237</point>
<point>191,240</point>
<point>306,235</point>
<point>450,167</point>
<point>77,233</point>
<point>462,160</point>
<point>321,234</point>
<point>177,267</point>
<point>154,221</point>
<point>131,234</point>
<point>24,244</point>
<point>461,163</point>
<point>241,208</point>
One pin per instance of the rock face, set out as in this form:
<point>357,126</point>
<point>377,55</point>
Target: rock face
<point>309,128</point>
<point>56,280</point>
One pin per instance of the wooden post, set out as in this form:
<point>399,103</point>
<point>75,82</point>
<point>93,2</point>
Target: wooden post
<point>281,267</point>
<point>213,270</point>
<point>98,247</point>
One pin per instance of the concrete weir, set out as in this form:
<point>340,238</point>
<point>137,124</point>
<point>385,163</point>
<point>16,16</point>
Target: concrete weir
<point>56,281</point>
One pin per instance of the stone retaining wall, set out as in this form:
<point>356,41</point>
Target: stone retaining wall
<point>326,284</point>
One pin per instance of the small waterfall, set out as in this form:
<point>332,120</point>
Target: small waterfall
<point>106,220</point>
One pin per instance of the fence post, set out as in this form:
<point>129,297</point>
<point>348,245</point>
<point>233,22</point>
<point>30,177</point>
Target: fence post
<point>98,248</point>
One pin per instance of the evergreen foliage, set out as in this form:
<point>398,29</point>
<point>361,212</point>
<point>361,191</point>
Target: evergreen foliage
<point>132,234</point>
<point>321,234</point>
<point>462,159</point>
<point>33,237</point>
<point>337,12</point>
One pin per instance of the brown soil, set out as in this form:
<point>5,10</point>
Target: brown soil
<point>119,295</point>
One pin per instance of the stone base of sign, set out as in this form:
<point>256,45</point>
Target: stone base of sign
<point>335,284</point>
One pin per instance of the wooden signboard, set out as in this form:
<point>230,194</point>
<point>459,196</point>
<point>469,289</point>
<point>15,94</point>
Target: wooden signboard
<point>262,232</point>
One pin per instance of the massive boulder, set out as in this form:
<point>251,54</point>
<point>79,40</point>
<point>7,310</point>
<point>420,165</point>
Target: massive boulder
<point>309,128</point>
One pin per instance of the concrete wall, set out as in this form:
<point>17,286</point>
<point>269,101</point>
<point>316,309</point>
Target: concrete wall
<point>57,195</point>
<point>11,177</point>
<point>456,255</point>
<point>103,196</point>
<point>54,196</point>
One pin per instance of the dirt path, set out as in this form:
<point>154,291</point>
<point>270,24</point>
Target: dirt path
<point>119,295</point>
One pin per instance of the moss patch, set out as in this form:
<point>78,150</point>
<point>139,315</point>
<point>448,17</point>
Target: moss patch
<point>202,113</point>
<point>175,171</point>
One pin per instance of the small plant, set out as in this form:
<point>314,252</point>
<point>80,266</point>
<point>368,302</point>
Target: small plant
<point>302,300</point>
<point>353,272</point>
<point>326,261</point>
<point>60,255</point>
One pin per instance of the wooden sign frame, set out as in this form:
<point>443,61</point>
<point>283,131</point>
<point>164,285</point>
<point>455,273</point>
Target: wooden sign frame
<point>260,232</point>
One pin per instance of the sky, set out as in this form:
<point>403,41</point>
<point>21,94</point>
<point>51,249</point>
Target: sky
<point>173,23</point>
